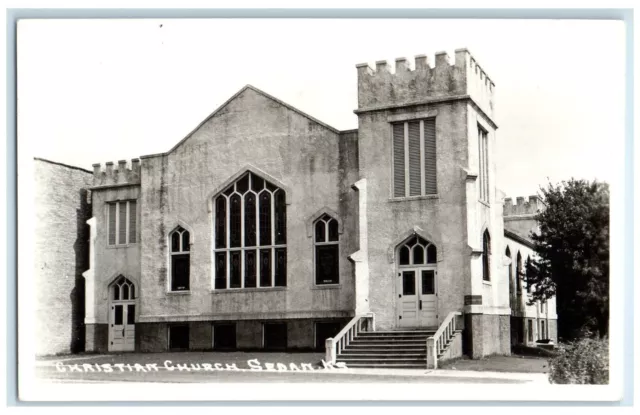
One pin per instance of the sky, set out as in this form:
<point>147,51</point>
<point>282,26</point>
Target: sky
<point>92,91</point>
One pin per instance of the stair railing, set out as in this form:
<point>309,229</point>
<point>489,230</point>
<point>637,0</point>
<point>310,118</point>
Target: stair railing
<point>437,342</point>
<point>359,323</point>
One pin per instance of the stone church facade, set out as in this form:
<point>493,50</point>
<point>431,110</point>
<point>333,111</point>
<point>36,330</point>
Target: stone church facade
<point>265,228</point>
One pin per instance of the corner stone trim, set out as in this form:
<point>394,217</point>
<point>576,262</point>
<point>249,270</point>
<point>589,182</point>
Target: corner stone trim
<point>472,300</point>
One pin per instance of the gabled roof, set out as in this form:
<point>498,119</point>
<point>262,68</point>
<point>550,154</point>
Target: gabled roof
<point>253,88</point>
<point>519,238</point>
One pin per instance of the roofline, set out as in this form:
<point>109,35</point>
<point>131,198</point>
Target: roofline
<point>63,165</point>
<point>428,101</point>
<point>234,96</point>
<point>524,241</point>
<point>353,130</point>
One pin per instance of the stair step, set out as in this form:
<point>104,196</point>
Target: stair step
<point>351,350</point>
<point>400,344</point>
<point>382,365</point>
<point>382,333</point>
<point>382,359</point>
<point>390,338</point>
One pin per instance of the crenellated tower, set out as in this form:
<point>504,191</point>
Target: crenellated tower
<point>521,217</point>
<point>124,174</point>
<point>463,79</point>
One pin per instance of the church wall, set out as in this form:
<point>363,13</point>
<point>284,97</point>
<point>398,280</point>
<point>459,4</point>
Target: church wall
<point>315,165</point>
<point>60,256</point>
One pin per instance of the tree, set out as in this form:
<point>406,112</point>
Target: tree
<point>573,256</point>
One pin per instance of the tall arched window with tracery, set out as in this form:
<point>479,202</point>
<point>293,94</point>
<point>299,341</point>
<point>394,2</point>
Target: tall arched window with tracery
<point>327,250</point>
<point>250,235</point>
<point>180,259</point>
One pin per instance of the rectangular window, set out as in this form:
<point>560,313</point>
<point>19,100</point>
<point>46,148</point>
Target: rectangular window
<point>122,222</point>
<point>428,282</point>
<point>131,314</point>
<point>408,283</point>
<point>179,337</point>
<point>483,168</point>
<point>414,158</point>
<point>530,331</point>
<point>180,272</point>
<point>327,264</point>
<point>117,320</point>
<point>224,336</point>
<point>275,336</point>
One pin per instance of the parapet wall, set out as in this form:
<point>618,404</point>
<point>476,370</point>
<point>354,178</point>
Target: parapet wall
<point>123,174</point>
<point>531,207</point>
<point>380,87</point>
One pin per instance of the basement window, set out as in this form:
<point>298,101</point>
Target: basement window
<point>224,336</point>
<point>179,337</point>
<point>275,336</point>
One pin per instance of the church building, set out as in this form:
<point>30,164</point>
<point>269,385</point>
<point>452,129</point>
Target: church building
<point>265,228</point>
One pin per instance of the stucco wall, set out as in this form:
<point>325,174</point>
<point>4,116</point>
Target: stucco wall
<point>522,308</point>
<point>315,165</point>
<point>111,261</point>
<point>60,256</point>
<point>441,218</point>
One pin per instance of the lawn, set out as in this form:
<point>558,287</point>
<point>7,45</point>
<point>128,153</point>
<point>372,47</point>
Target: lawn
<point>514,363</point>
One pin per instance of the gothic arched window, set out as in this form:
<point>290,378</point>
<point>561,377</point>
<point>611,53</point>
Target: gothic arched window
<point>250,234</point>
<point>486,256</point>
<point>180,247</point>
<point>417,251</point>
<point>327,250</point>
<point>123,289</point>
<point>519,273</point>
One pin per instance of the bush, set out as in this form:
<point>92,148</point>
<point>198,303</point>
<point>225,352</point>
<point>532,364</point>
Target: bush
<point>584,361</point>
<point>523,350</point>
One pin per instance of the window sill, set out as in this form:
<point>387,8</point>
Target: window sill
<point>485,282</point>
<point>183,292</point>
<point>482,202</point>
<point>410,198</point>
<point>246,290</point>
<point>327,287</point>
<point>121,246</point>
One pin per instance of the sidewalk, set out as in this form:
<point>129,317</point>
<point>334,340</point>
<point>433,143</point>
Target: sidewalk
<point>243,372</point>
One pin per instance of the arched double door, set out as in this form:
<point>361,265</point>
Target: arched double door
<point>122,315</point>
<point>417,284</point>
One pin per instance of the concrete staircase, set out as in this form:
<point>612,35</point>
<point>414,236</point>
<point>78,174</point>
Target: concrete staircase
<point>387,349</point>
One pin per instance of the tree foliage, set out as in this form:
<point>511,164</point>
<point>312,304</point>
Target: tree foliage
<point>573,256</point>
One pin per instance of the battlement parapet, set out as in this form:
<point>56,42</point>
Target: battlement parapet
<point>531,207</point>
<point>382,87</point>
<point>125,173</point>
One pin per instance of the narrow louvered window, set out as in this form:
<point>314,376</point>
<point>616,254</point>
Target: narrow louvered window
<point>122,222</point>
<point>414,158</point>
<point>398,160</point>
<point>112,223</point>
<point>430,156</point>
<point>483,168</point>
<point>132,222</point>
<point>415,168</point>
